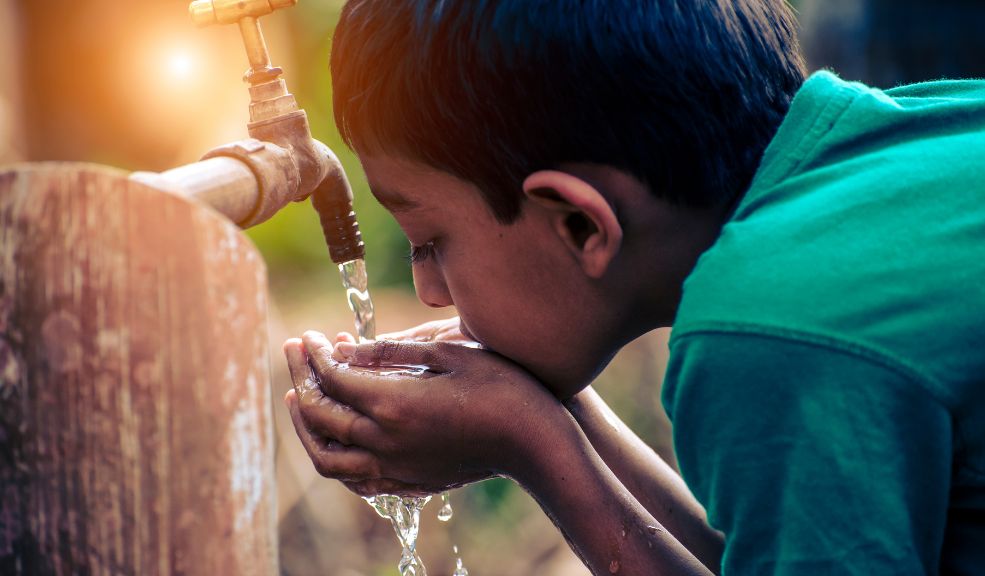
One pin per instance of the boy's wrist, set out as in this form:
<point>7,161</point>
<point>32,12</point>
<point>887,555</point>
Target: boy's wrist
<point>554,442</point>
<point>581,402</point>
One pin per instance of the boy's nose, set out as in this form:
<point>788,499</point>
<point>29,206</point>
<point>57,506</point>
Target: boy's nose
<point>430,287</point>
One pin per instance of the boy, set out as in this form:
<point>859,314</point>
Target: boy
<point>560,169</point>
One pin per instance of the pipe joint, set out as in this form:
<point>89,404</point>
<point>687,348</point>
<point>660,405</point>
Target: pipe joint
<point>277,175</point>
<point>291,131</point>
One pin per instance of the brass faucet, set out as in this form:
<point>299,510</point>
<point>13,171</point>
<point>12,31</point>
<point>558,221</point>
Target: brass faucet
<point>250,180</point>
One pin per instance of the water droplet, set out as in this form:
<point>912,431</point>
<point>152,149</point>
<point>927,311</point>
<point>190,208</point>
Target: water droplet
<point>446,511</point>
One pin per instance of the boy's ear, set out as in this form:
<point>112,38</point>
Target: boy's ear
<point>581,216</point>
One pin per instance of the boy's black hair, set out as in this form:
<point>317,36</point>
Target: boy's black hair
<point>683,94</point>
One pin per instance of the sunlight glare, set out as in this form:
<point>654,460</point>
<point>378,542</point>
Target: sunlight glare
<point>181,65</point>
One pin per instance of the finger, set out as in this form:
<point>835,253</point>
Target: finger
<point>420,333</point>
<point>450,331</point>
<point>427,332</point>
<point>304,379</point>
<point>297,363</point>
<point>377,486</point>
<point>363,390</point>
<point>325,416</point>
<point>436,356</point>
<point>330,458</point>
<point>339,338</point>
<point>319,351</point>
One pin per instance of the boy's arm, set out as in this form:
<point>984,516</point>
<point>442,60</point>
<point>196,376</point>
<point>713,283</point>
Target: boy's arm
<point>648,478</point>
<point>471,416</point>
<point>602,521</point>
<point>651,480</point>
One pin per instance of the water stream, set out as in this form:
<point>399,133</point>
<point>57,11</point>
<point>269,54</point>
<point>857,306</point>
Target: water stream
<point>403,512</point>
<point>356,284</point>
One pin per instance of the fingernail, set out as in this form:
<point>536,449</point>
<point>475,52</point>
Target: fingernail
<point>346,349</point>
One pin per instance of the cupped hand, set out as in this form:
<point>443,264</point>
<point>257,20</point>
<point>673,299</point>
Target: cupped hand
<point>408,418</point>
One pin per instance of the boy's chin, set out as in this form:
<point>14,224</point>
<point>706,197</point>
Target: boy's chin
<point>566,380</point>
<point>563,370</point>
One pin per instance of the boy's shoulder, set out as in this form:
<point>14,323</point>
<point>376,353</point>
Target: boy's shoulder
<point>838,125</point>
<point>868,208</point>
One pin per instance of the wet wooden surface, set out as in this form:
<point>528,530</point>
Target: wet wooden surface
<point>135,425</point>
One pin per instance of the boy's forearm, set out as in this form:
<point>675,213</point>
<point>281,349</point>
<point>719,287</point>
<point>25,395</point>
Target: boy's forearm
<point>600,518</point>
<point>651,480</point>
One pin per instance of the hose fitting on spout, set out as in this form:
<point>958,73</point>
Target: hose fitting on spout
<point>332,199</point>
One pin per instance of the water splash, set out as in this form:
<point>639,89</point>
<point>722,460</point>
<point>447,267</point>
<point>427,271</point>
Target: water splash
<point>405,514</point>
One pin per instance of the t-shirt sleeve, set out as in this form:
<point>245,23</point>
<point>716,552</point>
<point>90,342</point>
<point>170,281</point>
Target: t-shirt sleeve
<point>811,459</point>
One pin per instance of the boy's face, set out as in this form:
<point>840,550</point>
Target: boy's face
<point>517,288</point>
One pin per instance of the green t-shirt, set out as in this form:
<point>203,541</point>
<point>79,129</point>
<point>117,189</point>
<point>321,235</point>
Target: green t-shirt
<point>827,371</point>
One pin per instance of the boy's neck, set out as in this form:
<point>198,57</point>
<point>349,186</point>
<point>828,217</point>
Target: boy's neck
<point>661,245</point>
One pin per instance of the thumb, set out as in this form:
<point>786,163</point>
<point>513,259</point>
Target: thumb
<point>435,356</point>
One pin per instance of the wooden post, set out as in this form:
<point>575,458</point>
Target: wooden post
<point>135,422</point>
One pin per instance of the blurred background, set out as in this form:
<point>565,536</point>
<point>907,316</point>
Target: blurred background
<point>135,85</point>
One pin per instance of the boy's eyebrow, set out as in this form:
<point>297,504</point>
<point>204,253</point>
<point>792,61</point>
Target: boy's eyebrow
<point>393,201</point>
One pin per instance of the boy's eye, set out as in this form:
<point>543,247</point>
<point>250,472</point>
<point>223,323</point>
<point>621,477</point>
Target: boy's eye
<point>421,253</point>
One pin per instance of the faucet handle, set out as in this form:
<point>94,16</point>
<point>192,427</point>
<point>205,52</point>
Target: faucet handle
<point>209,12</point>
<point>244,13</point>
